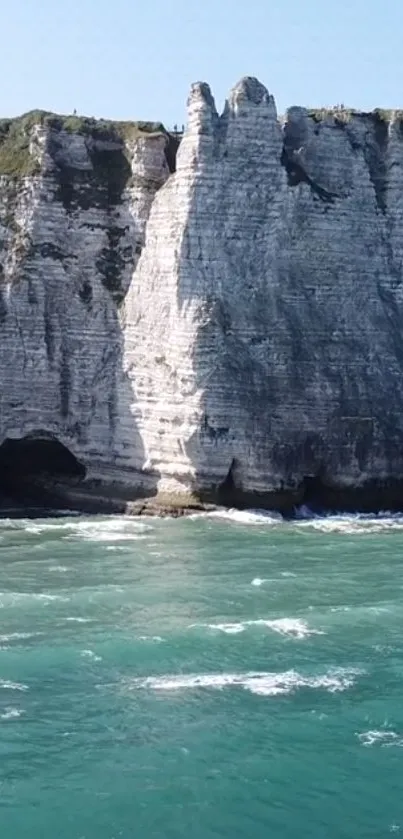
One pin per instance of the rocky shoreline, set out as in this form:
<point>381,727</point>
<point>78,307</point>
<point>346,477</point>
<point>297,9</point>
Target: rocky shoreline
<point>41,494</point>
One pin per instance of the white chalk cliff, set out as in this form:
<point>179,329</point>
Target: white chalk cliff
<point>233,329</point>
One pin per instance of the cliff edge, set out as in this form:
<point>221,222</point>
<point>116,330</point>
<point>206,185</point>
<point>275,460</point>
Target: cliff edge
<point>229,331</point>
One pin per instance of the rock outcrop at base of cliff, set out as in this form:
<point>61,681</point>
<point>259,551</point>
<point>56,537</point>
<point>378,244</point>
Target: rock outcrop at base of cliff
<point>253,352</point>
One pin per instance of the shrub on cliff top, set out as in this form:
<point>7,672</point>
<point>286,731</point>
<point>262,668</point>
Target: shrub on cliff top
<point>344,115</point>
<point>15,157</point>
<point>102,128</point>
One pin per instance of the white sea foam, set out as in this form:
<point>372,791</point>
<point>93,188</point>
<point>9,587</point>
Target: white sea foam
<point>115,547</point>
<point>18,636</point>
<point>294,627</point>
<point>258,581</point>
<point>356,524</point>
<point>11,713</point>
<point>11,597</point>
<point>156,638</point>
<point>78,620</point>
<point>5,684</point>
<point>98,529</point>
<point>291,627</point>
<point>90,654</point>
<point>61,569</point>
<point>253,517</point>
<point>228,628</point>
<point>382,738</point>
<point>119,528</point>
<point>262,684</point>
<point>108,535</point>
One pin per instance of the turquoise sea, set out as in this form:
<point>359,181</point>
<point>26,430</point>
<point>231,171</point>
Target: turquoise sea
<point>221,676</point>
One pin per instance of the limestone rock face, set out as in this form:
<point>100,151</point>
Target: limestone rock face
<point>71,232</point>
<point>264,337</point>
<point>236,323</point>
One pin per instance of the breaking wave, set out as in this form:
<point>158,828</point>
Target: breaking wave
<point>350,524</point>
<point>154,638</point>
<point>11,713</point>
<point>14,598</point>
<point>18,636</point>
<point>381,738</point>
<point>5,684</point>
<point>97,529</point>
<point>90,654</point>
<point>261,684</point>
<point>253,517</point>
<point>291,627</point>
<point>78,620</point>
<point>344,523</point>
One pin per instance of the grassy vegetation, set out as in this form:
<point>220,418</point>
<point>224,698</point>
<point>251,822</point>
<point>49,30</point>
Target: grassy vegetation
<point>15,158</point>
<point>102,129</point>
<point>345,115</point>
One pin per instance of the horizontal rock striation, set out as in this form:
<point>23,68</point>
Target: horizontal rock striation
<point>74,200</point>
<point>231,330</point>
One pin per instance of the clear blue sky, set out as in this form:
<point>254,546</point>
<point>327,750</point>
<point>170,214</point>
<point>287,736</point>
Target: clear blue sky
<point>135,59</point>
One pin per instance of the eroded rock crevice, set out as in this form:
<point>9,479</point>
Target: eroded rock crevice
<point>31,466</point>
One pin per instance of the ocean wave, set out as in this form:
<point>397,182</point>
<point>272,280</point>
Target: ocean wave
<point>11,714</point>
<point>231,514</point>
<point>291,627</point>
<point>383,738</point>
<point>261,684</point>
<point>351,524</point>
<point>347,523</point>
<point>122,529</point>
<point>228,628</point>
<point>102,529</point>
<point>258,581</point>
<point>78,620</point>
<point>90,654</point>
<point>155,638</point>
<point>18,636</point>
<point>11,597</point>
<point>61,569</point>
<point>5,684</point>
<point>108,535</point>
<point>116,547</point>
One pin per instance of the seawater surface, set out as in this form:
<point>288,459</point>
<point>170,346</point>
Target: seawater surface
<point>221,676</point>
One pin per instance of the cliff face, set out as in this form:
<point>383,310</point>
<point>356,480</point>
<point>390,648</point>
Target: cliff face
<point>256,346</point>
<point>268,299</point>
<point>74,200</point>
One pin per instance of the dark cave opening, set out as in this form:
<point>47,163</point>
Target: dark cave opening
<point>314,493</point>
<point>372,496</point>
<point>29,466</point>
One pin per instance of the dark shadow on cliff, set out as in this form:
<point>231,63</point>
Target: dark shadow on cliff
<point>85,370</point>
<point>30,465</point>
<point>273,347</point>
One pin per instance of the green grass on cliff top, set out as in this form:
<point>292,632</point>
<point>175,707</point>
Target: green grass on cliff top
<point>343,114</point>
<point>15,158</point>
